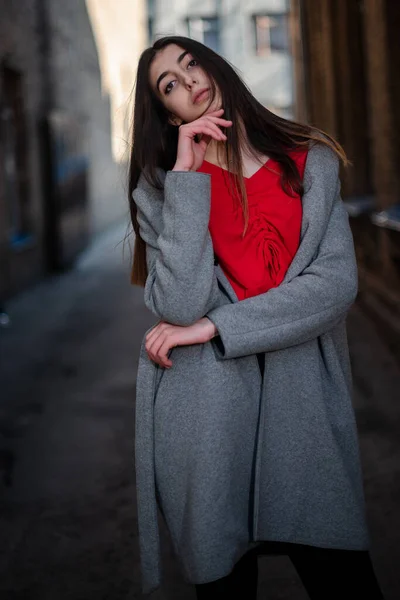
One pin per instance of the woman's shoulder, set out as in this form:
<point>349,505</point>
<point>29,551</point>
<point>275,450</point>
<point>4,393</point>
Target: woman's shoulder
<point>321,153</point>
<point>321,165</point>
<point>316,149</point>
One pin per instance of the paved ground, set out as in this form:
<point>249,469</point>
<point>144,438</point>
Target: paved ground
<point>67,368</point>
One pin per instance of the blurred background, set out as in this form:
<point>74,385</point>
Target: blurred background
<point>70,323</point>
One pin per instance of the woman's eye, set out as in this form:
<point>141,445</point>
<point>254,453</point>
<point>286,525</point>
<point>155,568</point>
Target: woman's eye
<point>168,87</point>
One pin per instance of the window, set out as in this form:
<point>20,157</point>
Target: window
<point>13,136</point>
<point>150,29</point>
<point>270,33</point>
<point>205,30</point>
<point>150,20</point>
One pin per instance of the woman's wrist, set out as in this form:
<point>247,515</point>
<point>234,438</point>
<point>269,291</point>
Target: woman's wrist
<point>213,328</point>
<point>179,168</point>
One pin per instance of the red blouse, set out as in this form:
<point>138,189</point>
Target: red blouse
<point>259,261</point>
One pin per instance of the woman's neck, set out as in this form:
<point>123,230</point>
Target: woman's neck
<point>215,154</point>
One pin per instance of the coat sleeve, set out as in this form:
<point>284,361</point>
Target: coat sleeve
<point>181,285</point>
<point>302,308</point>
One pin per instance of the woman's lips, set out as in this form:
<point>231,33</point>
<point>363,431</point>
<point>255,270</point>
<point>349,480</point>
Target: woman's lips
<point>201,96</point>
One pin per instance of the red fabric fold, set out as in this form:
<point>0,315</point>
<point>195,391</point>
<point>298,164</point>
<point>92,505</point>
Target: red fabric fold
<point>259,261</point>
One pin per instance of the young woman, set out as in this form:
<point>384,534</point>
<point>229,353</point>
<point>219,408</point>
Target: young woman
<point>245,433</point>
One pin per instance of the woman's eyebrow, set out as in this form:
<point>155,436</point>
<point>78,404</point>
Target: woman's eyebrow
<point>165,73</point>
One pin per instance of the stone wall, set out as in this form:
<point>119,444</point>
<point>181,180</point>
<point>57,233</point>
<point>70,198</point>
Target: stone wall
<point>77,57</point>
<point>20,54</point>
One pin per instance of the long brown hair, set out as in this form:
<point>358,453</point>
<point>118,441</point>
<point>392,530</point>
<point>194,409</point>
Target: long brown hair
<point>155,140</point>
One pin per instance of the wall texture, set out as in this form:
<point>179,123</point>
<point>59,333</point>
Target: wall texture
<point>78,58</point>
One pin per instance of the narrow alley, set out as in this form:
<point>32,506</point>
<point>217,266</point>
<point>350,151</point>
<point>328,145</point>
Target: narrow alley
<point>68,515</point>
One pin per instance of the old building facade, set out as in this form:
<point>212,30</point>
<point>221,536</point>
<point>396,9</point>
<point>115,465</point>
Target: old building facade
<point>21,223</point>
<point>67,69</point>
<point>254,36</point>
<point>347,65</point>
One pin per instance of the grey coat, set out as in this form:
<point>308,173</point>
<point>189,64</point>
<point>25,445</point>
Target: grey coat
<point>231,457</point>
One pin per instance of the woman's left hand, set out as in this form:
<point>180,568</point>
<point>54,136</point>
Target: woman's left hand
<point>164,336</point>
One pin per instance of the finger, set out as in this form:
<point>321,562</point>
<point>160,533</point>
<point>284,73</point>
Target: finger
<point>210,129</point>
<point>205,128</point>
<point>218,123</point>
<point>216,135</point>
<point>160,349</point>
<point>205,140</point>
<point>203,147</point>
<point>216,130</point>
<point>151,344</point>
<point>224,122</point>
<point>203,137</point>
<point>151,334</point>
<point>162,357</point>
<point>155,330</point>
<point>196,126</point>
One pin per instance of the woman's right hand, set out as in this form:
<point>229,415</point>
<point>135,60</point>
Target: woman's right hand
<point>190,153</point>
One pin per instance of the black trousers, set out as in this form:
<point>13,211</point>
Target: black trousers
<point>326,574</point>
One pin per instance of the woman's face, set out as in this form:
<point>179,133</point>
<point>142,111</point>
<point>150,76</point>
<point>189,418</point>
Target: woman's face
<point>177,79</point>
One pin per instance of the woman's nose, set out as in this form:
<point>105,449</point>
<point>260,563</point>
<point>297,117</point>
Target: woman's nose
<point>189,82</point>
